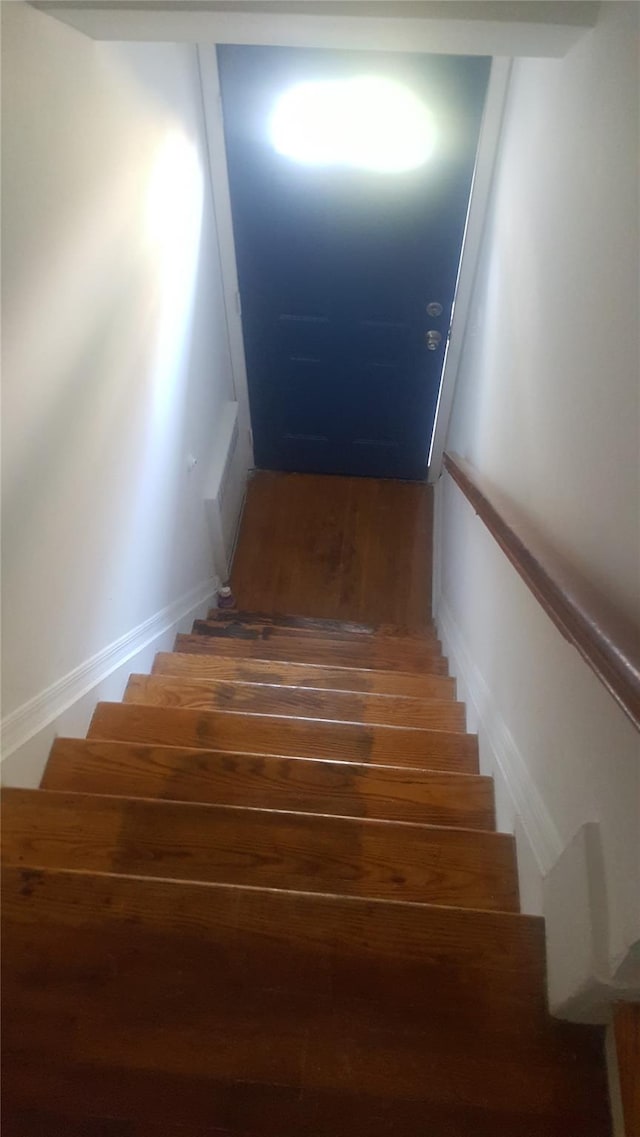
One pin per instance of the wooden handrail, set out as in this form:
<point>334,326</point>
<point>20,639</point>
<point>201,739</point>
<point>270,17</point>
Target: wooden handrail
<point>605,638</point>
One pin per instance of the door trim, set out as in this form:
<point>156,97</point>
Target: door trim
<point>483,175</point>
<point>469,256</point>
<point>540,29</point>
<point>219,179</point>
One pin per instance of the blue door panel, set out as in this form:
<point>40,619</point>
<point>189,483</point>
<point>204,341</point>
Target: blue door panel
<point>337,265</point>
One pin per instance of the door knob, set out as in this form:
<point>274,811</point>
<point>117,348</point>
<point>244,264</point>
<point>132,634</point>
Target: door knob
<point>433,340</point>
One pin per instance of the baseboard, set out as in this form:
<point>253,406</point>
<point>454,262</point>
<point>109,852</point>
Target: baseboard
<point>225,488</point>
<point>65,705</point>
<point>541,832</point>
<point>566,878</point>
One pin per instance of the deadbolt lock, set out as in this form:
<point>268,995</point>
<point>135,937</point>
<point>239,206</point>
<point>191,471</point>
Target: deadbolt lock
<point>434,308</point>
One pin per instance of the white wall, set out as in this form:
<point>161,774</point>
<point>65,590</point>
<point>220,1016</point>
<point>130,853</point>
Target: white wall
<point>115,362</point>
<point>547,408</point>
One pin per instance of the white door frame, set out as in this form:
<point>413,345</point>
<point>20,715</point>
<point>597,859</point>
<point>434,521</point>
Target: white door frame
<point>219,177</point>
<point>469,256</point>
<point>487,148</point>
<point>541,29</point>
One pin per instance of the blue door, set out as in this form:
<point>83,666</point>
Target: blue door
<point>350,175</point>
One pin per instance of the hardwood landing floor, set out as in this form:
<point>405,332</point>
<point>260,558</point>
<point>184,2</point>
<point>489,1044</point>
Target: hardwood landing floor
<point>343,548</point>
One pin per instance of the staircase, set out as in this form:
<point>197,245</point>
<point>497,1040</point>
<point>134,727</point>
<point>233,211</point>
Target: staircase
<point>265,897</point>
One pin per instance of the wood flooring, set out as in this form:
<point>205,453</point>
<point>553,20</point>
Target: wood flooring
<point>355,549</point>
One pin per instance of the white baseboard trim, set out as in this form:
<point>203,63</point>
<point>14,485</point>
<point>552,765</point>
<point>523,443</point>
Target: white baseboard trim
<point>539,828</point>
<point>31,717</point>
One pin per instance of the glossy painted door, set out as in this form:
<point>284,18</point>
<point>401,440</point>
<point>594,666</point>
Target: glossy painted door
<point>347,275</point>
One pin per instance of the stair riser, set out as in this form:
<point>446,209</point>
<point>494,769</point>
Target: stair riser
<point>311,786</point>
<point>330,654</point>
<point>265,630</point>
<point>380,652</point>
<point>270,734</point>
<point>384,710</point>
<point>309,623</point>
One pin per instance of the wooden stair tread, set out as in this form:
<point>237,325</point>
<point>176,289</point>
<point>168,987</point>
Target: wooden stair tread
<point>376,940</point>
<point>306,702</point>
<point>333,1115</point>
<point>305,652</point>
<point>213,666</point>
<point>306,784</point>
<point>370,642</point>
<point>39,1123</point>
<point>316,625</point>
<point>281,619</point>
<point>288,736</point>
<point>354,997</point>
<point>464,868</point>
<point>268,630</point>
<point>253,1109</point>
